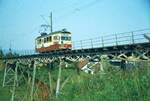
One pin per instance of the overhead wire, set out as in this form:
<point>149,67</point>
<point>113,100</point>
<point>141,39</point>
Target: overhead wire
<point>78,8</point>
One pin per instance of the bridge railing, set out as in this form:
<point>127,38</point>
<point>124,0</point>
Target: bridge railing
<point>132,37</point>
<point>14,52</point>
<point>103,41</point>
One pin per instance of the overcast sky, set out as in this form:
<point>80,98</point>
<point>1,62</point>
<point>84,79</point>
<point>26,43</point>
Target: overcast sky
<point>20,20</point>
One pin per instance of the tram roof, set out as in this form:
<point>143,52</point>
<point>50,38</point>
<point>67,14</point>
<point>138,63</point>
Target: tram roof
<point>56,32</point>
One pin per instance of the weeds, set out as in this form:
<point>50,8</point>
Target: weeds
<point>112,85</point>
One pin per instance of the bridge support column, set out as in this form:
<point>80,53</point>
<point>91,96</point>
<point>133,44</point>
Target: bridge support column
<point>58,80</point>
<point>33,81</point>
<point>50,78</point>
<point>10,77</point>
<point>5,73</point>
<point>9,74</point>
<point>101,66</point>
<point>15,82</point>
<point>50,84</point>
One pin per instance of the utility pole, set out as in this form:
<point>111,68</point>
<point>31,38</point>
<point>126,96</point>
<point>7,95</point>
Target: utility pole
<point>10,47</point>
<point>51,22</point>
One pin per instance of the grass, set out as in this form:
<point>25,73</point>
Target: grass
<point>114,85</point>
<point>111,85</point>
<point>4,92</point>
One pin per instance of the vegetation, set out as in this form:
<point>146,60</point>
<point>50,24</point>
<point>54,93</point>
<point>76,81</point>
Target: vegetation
<point>1,62</point>
<point>113,84</point>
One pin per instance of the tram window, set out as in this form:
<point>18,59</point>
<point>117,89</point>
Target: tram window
<point>39,41</point>
<point>69,38</point>
<point>66,38</point>
<point>56,37</point>
<point>42,40</point>
<point>49,39</point>
<point>45,40</point>
<point>62,38</point>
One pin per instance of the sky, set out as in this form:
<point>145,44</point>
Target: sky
<point>20,20</point>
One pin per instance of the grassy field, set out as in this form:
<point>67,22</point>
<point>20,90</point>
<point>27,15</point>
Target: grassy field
<point>4,92</point>
<point>113,84</point>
